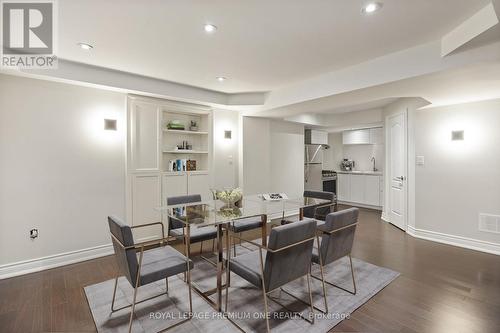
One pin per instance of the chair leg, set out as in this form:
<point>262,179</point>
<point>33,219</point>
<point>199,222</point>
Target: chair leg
<point>166,284</point>
<point>324,287</point>
<point>201,247</point>
<point>310,297</point>
<point>352,274</point>
<point>266,310</point>
<point>114,295</point>
<point>132,310</point>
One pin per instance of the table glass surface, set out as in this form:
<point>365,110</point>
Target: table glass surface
<point>215,212</point>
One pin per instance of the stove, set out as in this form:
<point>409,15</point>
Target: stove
<point>329,179</point>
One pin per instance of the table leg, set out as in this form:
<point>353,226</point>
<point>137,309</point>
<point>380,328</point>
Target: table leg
<point>301,213</point>
<point>264,229</point>
<point>220,262</point>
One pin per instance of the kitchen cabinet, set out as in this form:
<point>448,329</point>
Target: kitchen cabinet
<point>364,189</point>
<point>363,136</point>
<point>376,136</point>
<point>357,189</point>
<point>356,137</point>
<point>372,190</point>
<point>343,187</point>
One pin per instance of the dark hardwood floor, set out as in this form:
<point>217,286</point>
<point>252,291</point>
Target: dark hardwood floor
<point>441,289</point>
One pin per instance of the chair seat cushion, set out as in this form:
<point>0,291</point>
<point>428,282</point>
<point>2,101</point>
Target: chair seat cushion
<point>196,234</point>
<point>248,267</point>
<point>160,263</point>
<point>245,224</point>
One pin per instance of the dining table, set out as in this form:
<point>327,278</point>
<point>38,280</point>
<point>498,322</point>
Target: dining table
<point>218,214</point>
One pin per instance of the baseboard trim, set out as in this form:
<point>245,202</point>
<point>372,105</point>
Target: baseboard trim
<point>464,242</point>
<point>57,260</point>
<point>354,204</point>
<point>385,217</point>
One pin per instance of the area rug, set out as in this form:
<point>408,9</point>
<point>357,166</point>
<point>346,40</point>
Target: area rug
<point>245,305</point>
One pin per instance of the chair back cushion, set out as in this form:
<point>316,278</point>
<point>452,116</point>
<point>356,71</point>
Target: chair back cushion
<point>323,211</point>
<point>183,199</point>
<point>289,264</point>
<point>126,259</point>
<point>338,244</point>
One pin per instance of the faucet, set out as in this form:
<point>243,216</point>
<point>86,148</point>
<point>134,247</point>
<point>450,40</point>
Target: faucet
<point>373,160</point>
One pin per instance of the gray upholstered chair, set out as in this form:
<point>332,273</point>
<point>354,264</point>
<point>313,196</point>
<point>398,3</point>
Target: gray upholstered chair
<point>241,225</point>
<point>319,212</point>
<point>337,238</point>
<point>285,259</point>
<point>141,266</point>
<point>197,235</point>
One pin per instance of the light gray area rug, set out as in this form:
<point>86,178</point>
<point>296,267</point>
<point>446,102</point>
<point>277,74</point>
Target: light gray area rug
<point>245,305</point>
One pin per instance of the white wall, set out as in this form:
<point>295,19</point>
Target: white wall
<point>460,179</point>
<point>273,156</point>
<point>60,171</point>
<point>225,153</point>
<point>335,154</point>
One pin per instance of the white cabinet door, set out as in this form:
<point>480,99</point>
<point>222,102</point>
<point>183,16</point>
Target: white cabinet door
<point>343,187</point>
<point>199,183</point>
<point>144,136</point>
<point>174,184</point>
<point>319,137</point>
<point>376,136</point>
<point>372,190</point>
<point>358,188</point>
<point>356,137</point>
<point>145,198</point>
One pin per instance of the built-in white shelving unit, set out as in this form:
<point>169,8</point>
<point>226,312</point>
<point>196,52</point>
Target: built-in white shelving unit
<point>152,145</point>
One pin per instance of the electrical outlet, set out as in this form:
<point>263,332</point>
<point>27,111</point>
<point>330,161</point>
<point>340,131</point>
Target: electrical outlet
<point>33,233</point>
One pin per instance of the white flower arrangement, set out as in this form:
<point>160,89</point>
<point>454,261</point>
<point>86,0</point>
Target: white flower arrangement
<point>229,196</point>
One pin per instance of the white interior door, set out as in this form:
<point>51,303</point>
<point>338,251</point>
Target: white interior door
<point>397,170</point>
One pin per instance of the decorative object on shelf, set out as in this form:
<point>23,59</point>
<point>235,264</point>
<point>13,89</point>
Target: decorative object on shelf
<point>194,126</point>
<point>230,197</point>
<point>175,125</point>
<point>185,146</point>
<point>191,165</point>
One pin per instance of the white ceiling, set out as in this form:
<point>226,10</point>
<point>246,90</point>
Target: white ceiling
<point>260,44</point>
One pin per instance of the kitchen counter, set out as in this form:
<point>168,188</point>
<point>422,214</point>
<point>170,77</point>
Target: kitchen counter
<point>358,172</point>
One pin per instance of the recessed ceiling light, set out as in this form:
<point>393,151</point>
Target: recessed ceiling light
<point>221,78</point>
<point>210,28</point>
<point>85,46</point>
<point>371,7</point>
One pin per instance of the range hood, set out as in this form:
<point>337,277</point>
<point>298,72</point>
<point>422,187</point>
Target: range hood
<point>315,137</point>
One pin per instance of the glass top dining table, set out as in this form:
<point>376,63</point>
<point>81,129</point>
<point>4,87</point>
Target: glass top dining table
<point>215,213</point>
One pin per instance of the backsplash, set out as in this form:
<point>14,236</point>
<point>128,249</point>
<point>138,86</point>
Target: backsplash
<point>362,154</point>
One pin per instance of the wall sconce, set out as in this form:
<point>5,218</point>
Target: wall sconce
<point>110,124</point>
<point>227,134</point>
<point>457,135</point>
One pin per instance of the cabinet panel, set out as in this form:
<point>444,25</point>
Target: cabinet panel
<point>145,198</point>
<point>358,188</point>
<point>356,137</point>
<point>174,185</point>
<point>144,130</point>
<point>343,187</point>
<point>199,183</point>
<point>376,135</point>
<point>372,190</point>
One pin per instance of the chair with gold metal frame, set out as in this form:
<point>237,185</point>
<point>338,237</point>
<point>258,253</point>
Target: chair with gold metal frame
<point>287,258</point>
<point>147,266</point>
<point>197,235</point>
<point>337,238</point>
<point>320,212</point>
